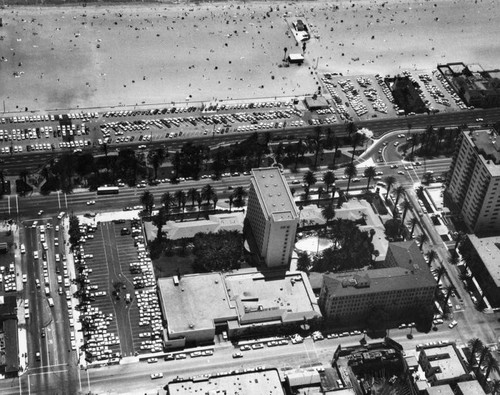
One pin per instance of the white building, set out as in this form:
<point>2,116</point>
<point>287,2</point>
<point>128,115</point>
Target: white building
<point>273,216</point>
<point>474,181</point>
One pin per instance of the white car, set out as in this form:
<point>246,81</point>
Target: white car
<point>453,324</point>
<point>155,376</point>
<point>90,202</point>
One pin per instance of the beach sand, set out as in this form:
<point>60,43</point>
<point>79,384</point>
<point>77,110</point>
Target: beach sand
<point>159,53</point>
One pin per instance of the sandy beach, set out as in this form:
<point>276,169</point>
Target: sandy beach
<point>73,56</point>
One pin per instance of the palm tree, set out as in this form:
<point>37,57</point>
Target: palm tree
<point>159,220</point>
<point>351,128</point>
<point>406,206</point>
<point>475,346</point>
<point>350,171</point>
<point>389,182</point>
<point>180,196</point>
<point>329,180</point>
<point>495,387</point>
<point>231,198</point>
<point>193,195</point>
<point>310,178</point>
<point>460,237</point>
<point>328,213</point>
<point>147,200</point>
<point>369,173</point>
<point>440,272</point>
<point>491,364</point>
<point>414,142</point>
<point>215,199</point>
<point>155,158</point>
<point>399,190</point>
<point>422,238</point>
<point>484,356</point>
<point>336,143</point>
<point>412,222</point>
<point>23,175</point>
<point>453,259</point>
<point>167,200</point>
<point>207,192</point>
<point>239,196</point>
<point>284,57</point>
<point>317,144</point>
<point>199,200</point>
<point>356,139</point>
<point>431,256</point>
<point>320,192</point>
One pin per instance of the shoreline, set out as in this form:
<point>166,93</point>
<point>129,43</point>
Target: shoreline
<point>224,51</point>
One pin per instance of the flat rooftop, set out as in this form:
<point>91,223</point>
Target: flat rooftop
<point>273,193</point>
<point>488,249</point>
<point>265,293</point>
<point>412,272</point>
<point>471,387</point>
<point>195,302</point>
<point>244,296</point>
<point>440,390</point>
<point>447,360</point>
<point>266,382</point>
<point>487,143</point>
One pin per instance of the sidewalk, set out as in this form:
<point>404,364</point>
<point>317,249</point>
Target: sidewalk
<point>21,320</point>
<point>75,319</point>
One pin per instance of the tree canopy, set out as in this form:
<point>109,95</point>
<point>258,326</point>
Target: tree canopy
<point>220,251</point>
<point>352,248</point>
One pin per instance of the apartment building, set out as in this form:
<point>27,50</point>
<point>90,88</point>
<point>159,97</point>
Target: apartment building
<point>474,180</point>
<point>349,297</point>
<point>273,216</point>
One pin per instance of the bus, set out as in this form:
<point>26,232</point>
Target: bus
<point>107,190</point>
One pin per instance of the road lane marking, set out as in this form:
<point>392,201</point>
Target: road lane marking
<point>50,372</point>
<point>49,366</point>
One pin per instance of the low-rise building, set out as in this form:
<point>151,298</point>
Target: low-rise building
<point>443,365</point>
<point>470,387</point>
<point>235,383</point>
<point>243,302</point>
<point>349,297</point>
<point>444,389</point>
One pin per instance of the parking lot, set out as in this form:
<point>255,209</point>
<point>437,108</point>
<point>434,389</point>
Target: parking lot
<point>366,97</point>
<point>76,131</point>
<point>121,304</point>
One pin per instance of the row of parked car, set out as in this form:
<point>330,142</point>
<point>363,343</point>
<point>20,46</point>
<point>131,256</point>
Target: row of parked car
<point>436,93</point>
<point>150,315</point>
<point>204,108</point>
<point>353,97</point>
<point>51,117</point>
<point>451,91</point>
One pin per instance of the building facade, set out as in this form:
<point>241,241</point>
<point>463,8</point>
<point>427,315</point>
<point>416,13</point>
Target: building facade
<point>273,216</point>
<point>350,297</point>
<point>473,182</point>
<point>482,258</point>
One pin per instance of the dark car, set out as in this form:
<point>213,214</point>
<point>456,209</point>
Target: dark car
<point>125,231</point>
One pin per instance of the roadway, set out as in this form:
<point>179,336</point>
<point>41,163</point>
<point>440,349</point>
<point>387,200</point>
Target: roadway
<point>56,358</point>
<point>135,378</point>
<point>55,202</point>
<point>13,164</point>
